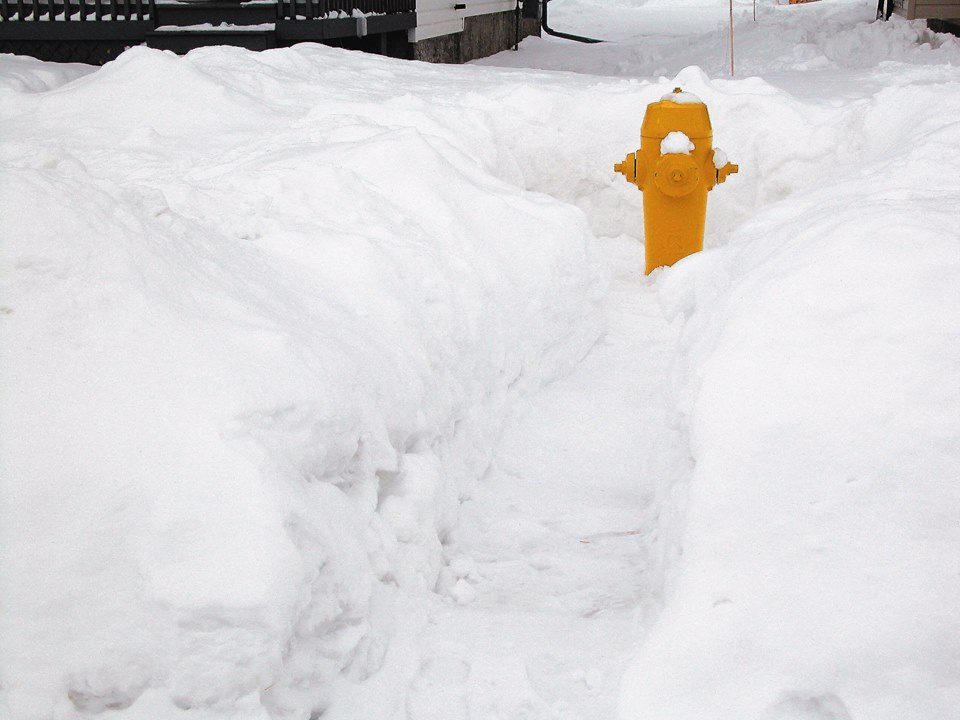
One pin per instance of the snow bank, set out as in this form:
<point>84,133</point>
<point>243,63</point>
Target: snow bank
<point>816,572</point>
<point>22,74</point>
<point>259,337</point>
<point>264,315</point>
<point>659,39</point>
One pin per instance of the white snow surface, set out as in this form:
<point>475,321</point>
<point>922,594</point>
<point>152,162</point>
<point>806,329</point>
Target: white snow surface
<point>676,143</point>
<point>305,412</point>
<point>682,98</point>
<point>260,337</point>
<point>720,159</point>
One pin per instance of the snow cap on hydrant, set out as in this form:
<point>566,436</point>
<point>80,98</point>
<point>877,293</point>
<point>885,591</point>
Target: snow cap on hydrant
<point>675,167</point>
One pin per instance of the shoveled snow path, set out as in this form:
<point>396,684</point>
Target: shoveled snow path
<point>554,541</point>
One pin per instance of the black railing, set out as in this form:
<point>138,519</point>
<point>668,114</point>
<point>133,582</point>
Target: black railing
<point>78,11</point>
<point>96,31</point>
<point>332,9</point>
<point>83,10</point>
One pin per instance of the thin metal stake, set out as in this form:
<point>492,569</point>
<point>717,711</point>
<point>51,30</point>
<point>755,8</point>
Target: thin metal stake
<point>731,38</point>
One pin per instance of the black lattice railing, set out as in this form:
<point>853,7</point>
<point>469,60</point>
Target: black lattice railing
<point>330,9</point>
<point>98,30</point>
<point>82,10</point>
<point>79,10</point>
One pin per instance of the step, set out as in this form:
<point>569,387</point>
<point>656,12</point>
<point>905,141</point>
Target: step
<point>197,13</point>
<point>184,38</point>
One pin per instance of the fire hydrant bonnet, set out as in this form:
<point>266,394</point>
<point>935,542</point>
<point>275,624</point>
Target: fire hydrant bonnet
<point>667,115</point>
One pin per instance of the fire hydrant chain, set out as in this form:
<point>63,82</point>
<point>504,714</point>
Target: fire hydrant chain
<point>676,152</point>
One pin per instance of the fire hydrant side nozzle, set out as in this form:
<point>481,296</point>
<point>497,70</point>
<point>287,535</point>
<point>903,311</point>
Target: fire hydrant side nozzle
<point>676,150</point>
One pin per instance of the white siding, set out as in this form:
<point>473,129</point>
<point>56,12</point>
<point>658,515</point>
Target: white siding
<point>437,17</point>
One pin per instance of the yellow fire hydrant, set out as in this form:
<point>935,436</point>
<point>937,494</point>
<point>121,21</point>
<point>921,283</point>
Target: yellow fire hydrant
<point>675,167</point>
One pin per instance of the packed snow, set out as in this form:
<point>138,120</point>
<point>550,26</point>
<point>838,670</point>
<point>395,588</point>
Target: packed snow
<point>676,143</point>
<point>263,340</point>
<point>719,158</point>
<point>333,387</point>
<point>680,97</point>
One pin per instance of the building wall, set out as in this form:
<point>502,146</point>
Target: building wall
<point>438,17</point>
<point>482,35</point>
<point>925,9</point>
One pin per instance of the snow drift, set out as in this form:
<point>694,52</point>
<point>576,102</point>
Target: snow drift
<point>264,315</point>
<point>816,569</point>
<point>651,39</point>
<point>257,341</point>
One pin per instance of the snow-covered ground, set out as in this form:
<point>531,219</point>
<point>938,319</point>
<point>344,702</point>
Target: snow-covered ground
<point>332,386</point>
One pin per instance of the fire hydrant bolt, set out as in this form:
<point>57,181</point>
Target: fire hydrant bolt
<point>675,203</point>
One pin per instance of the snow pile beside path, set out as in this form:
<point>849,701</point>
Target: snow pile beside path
<point>821,362</point>
<point>26,74</point>
<point>840,35</point>
<point>653,40</point>
<point>258,338</point>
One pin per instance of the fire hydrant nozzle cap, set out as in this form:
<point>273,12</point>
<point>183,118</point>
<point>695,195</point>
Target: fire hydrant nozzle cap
<point>676,175</point>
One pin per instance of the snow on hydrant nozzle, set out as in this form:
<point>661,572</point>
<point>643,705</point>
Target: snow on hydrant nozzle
<point>675,167</point>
